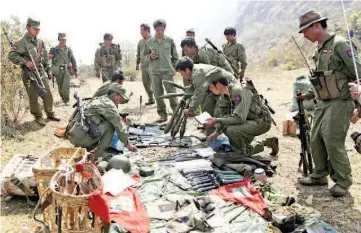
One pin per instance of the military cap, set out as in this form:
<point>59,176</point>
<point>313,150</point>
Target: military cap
<point>115,87</point>
<point>309,18</point>
<point>33,23</point>
<point>61,36</point>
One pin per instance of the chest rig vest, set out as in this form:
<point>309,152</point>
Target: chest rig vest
<point>329,79</point>
<point>107,57</point>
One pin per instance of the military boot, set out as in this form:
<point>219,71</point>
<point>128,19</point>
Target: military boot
<point>162,119</point>
<point>309,181</point>
<point>53,118</point>
<point>40,121</point>
<point>273,144</point>
<point>338,191</point>
<point>150,102</point>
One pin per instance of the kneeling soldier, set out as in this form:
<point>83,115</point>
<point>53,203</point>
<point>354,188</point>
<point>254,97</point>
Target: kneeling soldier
<point>247,118</point>
<point>101,120</point>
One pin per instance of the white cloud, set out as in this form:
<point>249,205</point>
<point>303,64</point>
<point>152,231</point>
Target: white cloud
<point>85,22</point>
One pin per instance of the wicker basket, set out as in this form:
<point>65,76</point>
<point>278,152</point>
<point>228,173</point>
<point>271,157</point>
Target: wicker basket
<point>45,168</point>
<point>71,194</point>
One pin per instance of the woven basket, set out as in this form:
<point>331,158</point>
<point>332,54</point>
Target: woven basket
<point>70,201</point>
<point>45,168</point>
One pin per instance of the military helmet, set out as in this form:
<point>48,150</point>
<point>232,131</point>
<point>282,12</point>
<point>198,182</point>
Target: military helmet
<point>119,162</point>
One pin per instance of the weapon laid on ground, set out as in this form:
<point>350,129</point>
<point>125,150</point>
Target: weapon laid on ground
<point>264,100</point>
<point>304,136</point>
<point>174,85</point>
<point>37,81</point>
<point>225,57</point>
<point>169,125</point>
<point>181,121</point>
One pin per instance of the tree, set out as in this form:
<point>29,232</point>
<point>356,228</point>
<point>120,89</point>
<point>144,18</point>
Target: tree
<point>129,52</point>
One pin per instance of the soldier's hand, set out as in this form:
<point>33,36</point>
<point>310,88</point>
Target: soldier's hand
<point>355,90</point>
<point>30,65</point>
<point>153,56</point>
<point>355,116</point>
<point>137,67</point>
<point>187,113</point>
<point>97,74</point>
<point>76,73</point>
<point>241,74</point>
<point>210,122</point>
<point>301,97</point>
<point>50,75</point>
<point>51,56</point>
<point>132,148</point>
<point>212,137</point>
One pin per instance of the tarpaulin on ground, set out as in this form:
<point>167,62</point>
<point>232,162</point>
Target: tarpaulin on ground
<point>243,193</point>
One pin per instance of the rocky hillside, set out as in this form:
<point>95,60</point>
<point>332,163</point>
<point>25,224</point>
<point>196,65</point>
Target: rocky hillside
<point>261,25</point>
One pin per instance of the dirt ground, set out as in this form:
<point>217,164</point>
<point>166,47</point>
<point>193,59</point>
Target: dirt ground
<point>342,213</point>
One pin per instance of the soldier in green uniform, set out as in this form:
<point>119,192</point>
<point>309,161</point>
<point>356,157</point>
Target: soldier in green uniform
<point>101,113</point>
<point>117,77</point>
<point>162,55</point>
<point>198,75</point>
<point>20,54</point>
<point>204,55</point>
<point>147,82</point>
<point>63,66</point>
<point>334,70</point>
<point>235,52</point>
<point>247,118</point>
<point>107,58</point>
<point>190,33</point>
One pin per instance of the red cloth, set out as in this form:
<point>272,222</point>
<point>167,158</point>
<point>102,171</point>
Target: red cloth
<point>255,203</point>
<point>136,221</point>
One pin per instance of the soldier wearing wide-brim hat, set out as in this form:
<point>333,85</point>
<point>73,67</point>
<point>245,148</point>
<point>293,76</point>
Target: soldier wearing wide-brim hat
<point>63,66</point>
<point>20,53</point>
<point>334,60</point>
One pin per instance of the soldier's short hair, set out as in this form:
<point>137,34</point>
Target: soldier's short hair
<point>118,76</point>
<point>323,23</point>
<point>189,42</point>
<point>230,31</point>
<point>159,23</point>
<point>191,31</point>
<point>183,63</point>
<point>108,36</point>
<point>221,80</point>
<point>145,26</point>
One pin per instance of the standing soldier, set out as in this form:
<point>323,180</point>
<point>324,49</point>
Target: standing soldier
<point>147,83</point>
<point>63,66</point>
<point>162,55</point>
<point>107,58</point>
<point>30,53</point>
<point>235,52</point>
<point>334,69</point>
<point>190,33</point>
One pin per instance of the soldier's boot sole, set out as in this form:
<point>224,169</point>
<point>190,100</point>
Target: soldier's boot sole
<point>338,191</point>
<point>273,144</point>
<point>309,181</point>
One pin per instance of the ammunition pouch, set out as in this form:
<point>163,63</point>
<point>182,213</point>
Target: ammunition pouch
<point>330,85</point>
<point>94,130</point>
<point>55,70</point>
<point>107,61</point>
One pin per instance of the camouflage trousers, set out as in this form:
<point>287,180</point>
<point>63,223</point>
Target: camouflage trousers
<point>107,74</point>
<point>33,94</point>
<point>80,138</point>
<point>63,82</point>
<point>241,137</point>
<point>328,135</point>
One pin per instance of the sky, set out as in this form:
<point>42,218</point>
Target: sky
<point>85,22</point>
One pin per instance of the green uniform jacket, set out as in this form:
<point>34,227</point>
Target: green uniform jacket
<point>103,90</point>
<point>140,53</point>
<point>201,78</point>
<point>19,55</point>
<point>340,62</point>
<point>212,57</point>
<point>167,55</point>
<point>104,52</point>
<point>104,109</point>
<point>63,56</point>
<point>244,106</point>
<point>236,53</point>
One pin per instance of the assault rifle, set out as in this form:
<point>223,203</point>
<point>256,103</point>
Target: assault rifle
<point>29,72</point>
<point>304,136</point>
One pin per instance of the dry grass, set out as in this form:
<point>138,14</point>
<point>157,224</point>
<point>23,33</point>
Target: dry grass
<point>342,213</point>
